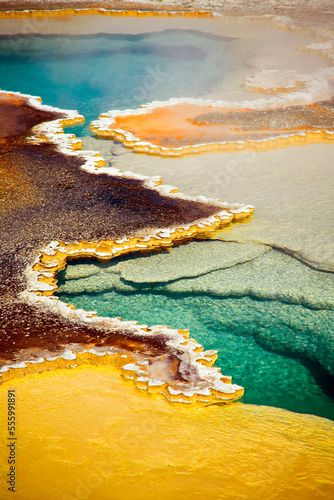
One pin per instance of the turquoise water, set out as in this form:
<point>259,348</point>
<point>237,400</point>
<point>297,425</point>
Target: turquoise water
<point>94,74</point>
<point>251,337</point>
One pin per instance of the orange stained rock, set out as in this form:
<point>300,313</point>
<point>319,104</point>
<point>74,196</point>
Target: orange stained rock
<point>86,433</point>
<point>177,129</point>
<point>274,90</point>
<point>171,126</point>
<point>174,12</point>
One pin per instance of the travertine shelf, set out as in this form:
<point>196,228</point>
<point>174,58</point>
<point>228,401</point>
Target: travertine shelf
<point>188,126</point>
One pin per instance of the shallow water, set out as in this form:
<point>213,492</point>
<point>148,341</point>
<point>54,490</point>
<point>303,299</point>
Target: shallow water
<point>252,338</point>
<point>100,72</point>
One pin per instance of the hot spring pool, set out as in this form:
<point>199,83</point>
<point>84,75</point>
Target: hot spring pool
<point>260,343</point>
<point>97,72</point>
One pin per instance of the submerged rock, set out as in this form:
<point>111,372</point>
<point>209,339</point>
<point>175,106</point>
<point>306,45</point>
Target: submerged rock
<point>220,269</point>
<point>188,261</point>
<point>273,276</point>
<point>295,315</point>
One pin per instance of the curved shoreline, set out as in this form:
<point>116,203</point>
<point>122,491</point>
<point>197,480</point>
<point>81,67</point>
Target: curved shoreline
<point>164,114</point>
<point>41,274</point>
<point>261,451</point>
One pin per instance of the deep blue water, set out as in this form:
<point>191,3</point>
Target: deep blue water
<point>94,74</point>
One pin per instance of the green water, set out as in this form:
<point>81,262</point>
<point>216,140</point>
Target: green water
<point>263,345</point>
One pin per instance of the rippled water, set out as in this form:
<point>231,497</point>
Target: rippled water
<point>251,336</point>
<point>96,73</point>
